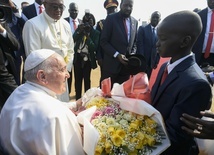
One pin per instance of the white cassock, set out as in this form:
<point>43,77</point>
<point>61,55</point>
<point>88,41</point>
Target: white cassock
<point>43,32</point>
<point>33,122</point>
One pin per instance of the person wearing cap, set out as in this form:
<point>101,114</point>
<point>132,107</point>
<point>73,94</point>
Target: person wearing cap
<point>111,7</point>
<point>33,120</point>
<point>48,30</point>
<point>118,38</point>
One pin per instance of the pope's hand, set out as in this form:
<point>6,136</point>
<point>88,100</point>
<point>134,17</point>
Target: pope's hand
<point>79,107</point>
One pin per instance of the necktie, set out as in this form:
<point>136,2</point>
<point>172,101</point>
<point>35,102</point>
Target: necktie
<point>165,73</point>
<point>74,24</point>
<point>153,35</point>
<point>210,37</point>
<point>40,9</point>
<point>124,22</point>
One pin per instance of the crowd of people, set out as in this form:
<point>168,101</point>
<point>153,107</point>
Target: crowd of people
<point>40,52</point>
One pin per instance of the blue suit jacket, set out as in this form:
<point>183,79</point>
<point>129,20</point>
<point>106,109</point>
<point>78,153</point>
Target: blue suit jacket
<point>198,47</point>
<point>114,38</point>
<point>146,45</point>
<point>185,90</point>
<point>30,11</point>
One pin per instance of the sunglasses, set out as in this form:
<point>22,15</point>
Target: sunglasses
<point>55,7</point>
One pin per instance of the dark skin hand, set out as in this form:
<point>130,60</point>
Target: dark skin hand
<point>122,58</point>
<point>198,127</point>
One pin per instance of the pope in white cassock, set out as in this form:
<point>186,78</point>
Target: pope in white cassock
<point>48,30</point>
<point>32,120</point>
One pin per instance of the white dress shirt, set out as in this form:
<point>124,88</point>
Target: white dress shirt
<point>209,14</point>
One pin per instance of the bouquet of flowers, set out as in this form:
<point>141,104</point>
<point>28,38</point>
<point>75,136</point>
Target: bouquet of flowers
<point>121,125</point>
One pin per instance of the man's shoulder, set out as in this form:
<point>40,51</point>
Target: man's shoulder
<point>133,18</point>
<point>67,19</point>
<point>202,12</point>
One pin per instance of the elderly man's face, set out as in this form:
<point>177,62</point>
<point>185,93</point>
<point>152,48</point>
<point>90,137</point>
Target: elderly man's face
<point>56,79</point>
<point>54,8</point>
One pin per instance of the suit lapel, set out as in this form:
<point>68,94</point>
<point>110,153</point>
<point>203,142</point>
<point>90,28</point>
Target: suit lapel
<point>173,75</point>
<point>132,34</point>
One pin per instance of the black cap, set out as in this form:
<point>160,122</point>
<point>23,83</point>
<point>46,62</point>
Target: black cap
<point>110,3</point>
<point>136,64</point>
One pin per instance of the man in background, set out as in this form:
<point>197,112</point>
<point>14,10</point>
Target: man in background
<point>50,31</point>
<point>74,22</point>
<point>111,7</point>
<point>24,4</point>
<point>33,10</point>
<point>204,46</point>
<point>118,39</point>
<point>146,42</point>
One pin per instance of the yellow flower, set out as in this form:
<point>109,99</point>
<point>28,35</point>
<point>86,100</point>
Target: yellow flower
<point>141,136</point>
<point>150,122</point>
<point>134,140</point>
<point>151,130</point>
<point>117,140</point>
<point>139,145</point>
<point>140,117</point>
<point>102,138</point>
<point>121,133</point>
<point>133,126</point>
<point>133,152</point>
<point>150,140</point>
<point>111,130</point>
<point>108,147</point>
<point>138,122</point>
<point>98,150</point>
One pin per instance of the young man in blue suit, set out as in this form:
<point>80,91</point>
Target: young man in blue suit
<point>118,38</point>
<point>146,42</point>
<point>185,88</point>
<point>201,44</point>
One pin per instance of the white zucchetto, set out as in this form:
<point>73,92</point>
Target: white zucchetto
<point>37,57</point>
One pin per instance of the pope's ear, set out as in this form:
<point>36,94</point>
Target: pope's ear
<point>41,75</point>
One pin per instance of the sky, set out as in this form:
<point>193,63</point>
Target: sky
<point>142,9</point>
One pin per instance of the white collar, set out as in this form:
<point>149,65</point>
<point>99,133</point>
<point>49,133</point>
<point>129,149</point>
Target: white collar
<point>37,5</point>
<point>171,66</point>
<point>48,91</point>
<point>71,19</point>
